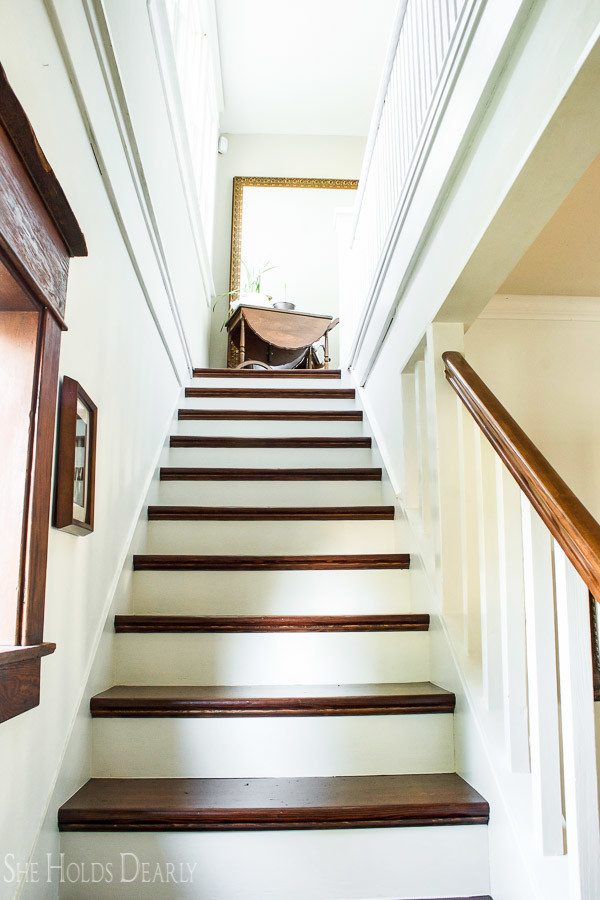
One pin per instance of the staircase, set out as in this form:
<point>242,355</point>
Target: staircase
<point>273,684</point>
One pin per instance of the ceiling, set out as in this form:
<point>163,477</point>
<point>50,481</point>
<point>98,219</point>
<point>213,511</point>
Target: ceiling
<point>564,259</point>
<point>302,66</point>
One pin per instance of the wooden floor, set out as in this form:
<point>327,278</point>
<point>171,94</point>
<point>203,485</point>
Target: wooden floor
<point>193,563</point>
<point>242,804</point>
<point>161,624</point>
<point>132,701</point>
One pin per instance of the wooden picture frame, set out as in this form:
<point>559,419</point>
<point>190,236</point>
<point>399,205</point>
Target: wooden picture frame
<point>75,460</point>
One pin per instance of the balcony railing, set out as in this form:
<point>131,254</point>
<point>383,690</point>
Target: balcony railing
<point>428,36</point>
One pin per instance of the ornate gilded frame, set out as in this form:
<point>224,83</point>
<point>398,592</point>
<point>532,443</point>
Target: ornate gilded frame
<point>242,181</point>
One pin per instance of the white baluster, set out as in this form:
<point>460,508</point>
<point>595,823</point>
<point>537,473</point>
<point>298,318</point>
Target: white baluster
<point>542,682</point>
<point>470,535</point>
<point>512,617</point>
<point>579,737</point>
<point>491,657</point>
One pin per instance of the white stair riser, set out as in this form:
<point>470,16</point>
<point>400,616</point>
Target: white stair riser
<point>270,428</point>
<point>272,593</point>
<point>275,658</point>
<point>271,458</point>
<point>274,403</point>
<point>270,537</point>
<point>270,493</point>
<point>352,864</point>
<point>273,747</point>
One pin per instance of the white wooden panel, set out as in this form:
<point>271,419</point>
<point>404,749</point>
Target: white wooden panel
<point>579,738</point>
<point>491,656</point>
<point>272,747</point>
<point>471,607</point>
<point>512,617</point>
<point>543,683</point>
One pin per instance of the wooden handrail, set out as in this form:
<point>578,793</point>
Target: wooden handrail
<point>567,519</point>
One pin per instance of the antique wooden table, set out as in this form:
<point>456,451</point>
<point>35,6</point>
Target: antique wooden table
<point>276,337</point>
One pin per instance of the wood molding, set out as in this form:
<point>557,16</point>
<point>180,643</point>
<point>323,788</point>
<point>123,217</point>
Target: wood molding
<point>268,373</point>
<point>246,804</point>
<point>180,701</point>
<point>309,443</point>
<point>19,687</point>
<point>274,393</point>
<point>272,415</point>
<point>542,308</point>
<point>567,519</point>
<point>194,473</point>
<point>12,653</point>
<point>15,122</point>
<point>215,563</point>
<point>141,624</point>
<point>268,513</point>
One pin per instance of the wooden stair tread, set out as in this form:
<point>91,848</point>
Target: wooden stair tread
<point>192,562</point>
<point>208,804</point>
<point>199,473</point>
<point>268,513</point>
<point>299,443</point>
<point>276,393</point>
<point>267,700</point>
<point>292,415</point>
<point>265,373</point>
<point>142,624</point>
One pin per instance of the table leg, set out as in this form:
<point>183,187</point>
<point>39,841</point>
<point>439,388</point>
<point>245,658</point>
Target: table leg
<point>242,341</point>
<point>326,357</point>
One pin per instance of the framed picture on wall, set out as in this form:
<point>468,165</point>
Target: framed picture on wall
<point>76,460</point>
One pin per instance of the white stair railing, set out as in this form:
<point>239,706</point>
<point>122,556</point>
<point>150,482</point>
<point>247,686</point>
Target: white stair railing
<point>423,48</point>
<point>515,557</point>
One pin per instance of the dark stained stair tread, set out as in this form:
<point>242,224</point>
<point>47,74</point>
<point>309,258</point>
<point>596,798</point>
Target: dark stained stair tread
<point>301,443</point>
<point>294,415</point>
<point>229,804</point>
<point>138,624</point>
<point>268,513</point>
<point>127,701</point>
<point>275,393</point>
<point>266,373</point>
<point>195,473</point>
<point>271,563</point>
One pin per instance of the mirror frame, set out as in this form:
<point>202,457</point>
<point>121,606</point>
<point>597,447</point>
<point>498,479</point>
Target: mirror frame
<point>242,181</point>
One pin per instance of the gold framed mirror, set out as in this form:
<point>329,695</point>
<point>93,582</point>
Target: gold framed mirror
<point>241,184</point>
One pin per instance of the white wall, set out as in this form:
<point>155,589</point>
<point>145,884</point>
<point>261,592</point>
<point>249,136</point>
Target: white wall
<point>126,344</point>
<point>558,361</point>
<point>295,156</point>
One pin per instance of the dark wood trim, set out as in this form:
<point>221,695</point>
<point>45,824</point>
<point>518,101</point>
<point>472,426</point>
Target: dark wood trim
<point>33,593</point>
<point>274,393</point>
<point>13,654</point>
<point>63,517</point>
<point>300,443</point>
<point>268,514</point>
<point>19,687</point>
<point>141,624</point>
<point>268,373</point>
<point>273,415</point>
<point>245,804</point>
<point>124,701</point>
<point>194,563</point>
<point>195,473</point>
<point>24,140</point>
<point>567,519</point>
